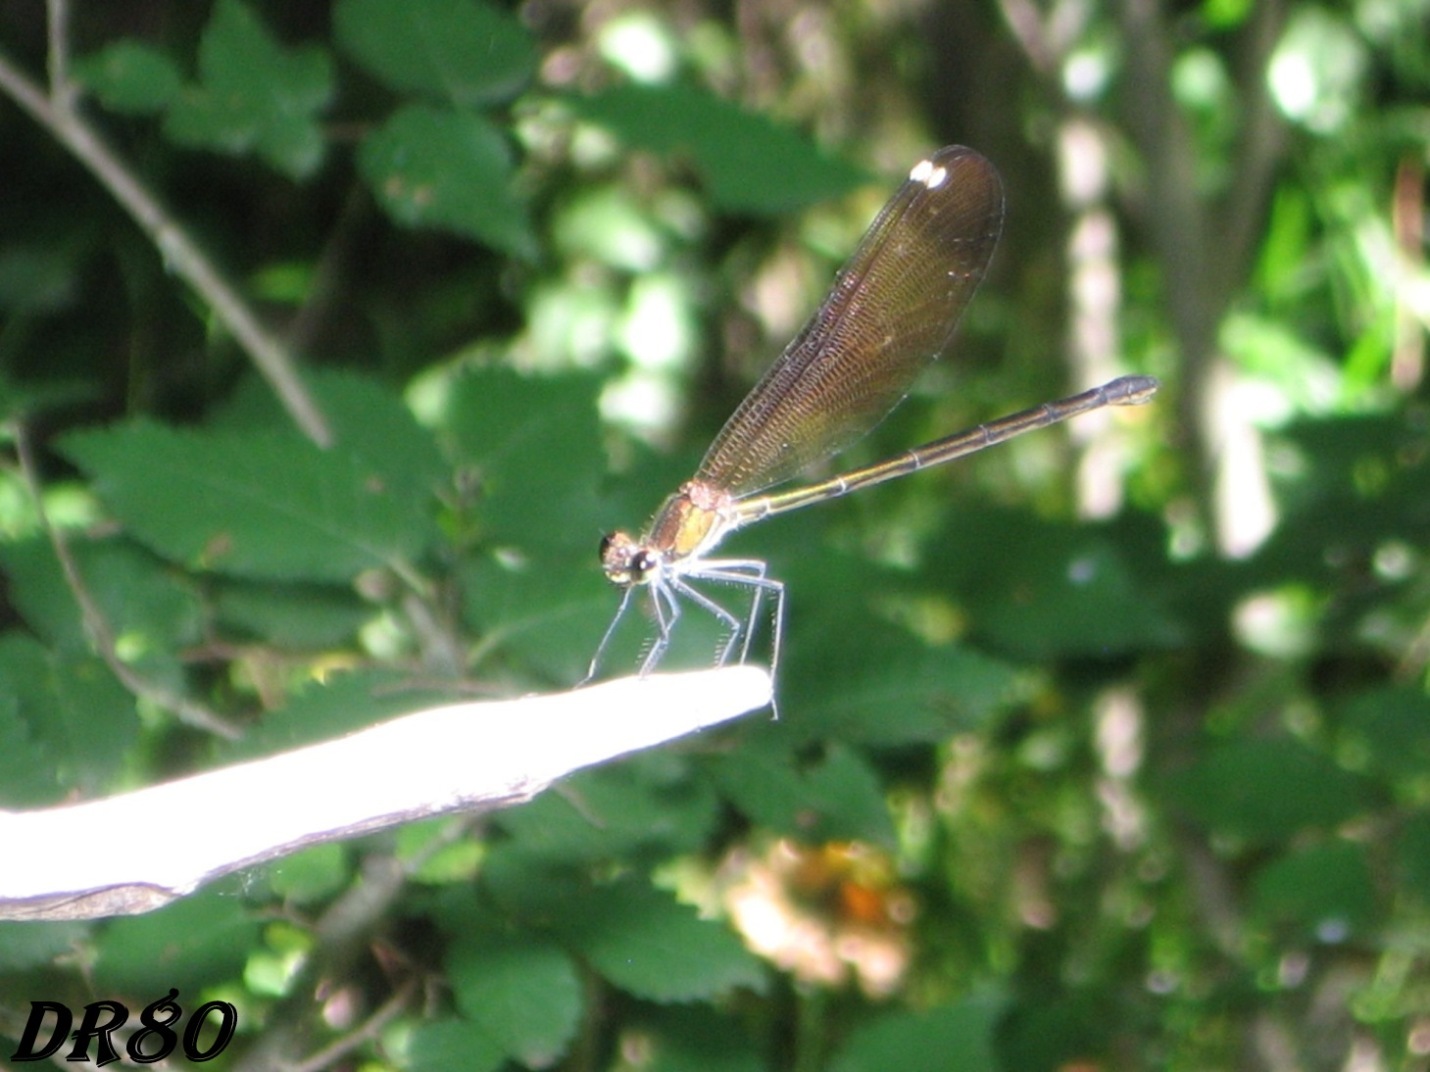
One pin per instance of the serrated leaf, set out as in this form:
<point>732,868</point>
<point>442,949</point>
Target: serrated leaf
<point>148,608</point>
<point>611,812</point>
<point>130,77</point>
<point>448,170</point>
<point>264,505</point>
<point>371,420</point>
<point>750,163</point>
<point>650,945</point>
<point>858,677</point>
<point>837,798</point>
<point>254,95</point>
<point>71,705</point>
<point>534,447</point>
<point>464,52</point>
<point>366,416</point>
<point>900,692</point>
<point>522,991</point>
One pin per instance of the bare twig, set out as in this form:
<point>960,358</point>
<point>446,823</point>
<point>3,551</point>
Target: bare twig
<point>62,87</point>
<point>369,1029</point>
<point>344,929</point>
<point>57,113</point>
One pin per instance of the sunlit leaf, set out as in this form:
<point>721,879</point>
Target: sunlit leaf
<point>449,170</point>
<point>264,505</point>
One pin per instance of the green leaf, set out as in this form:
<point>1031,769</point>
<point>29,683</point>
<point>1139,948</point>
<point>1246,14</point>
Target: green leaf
<point>436,858</point>
<point>305,616</point>
<point>201,940</point>
<point>463,52</point>
<point>953,1038</point>
<point>1390,724</point>
<point>38,943</point>
<point>254,95</point>
<point>1048,591</point>
<point>1412,857</point>
<point>650,945</point>
<point>647,804</point>
<point>448,170</point>
<point>318,712</point>
<point>1326,890</point>
<point>27,771</point>
<point>372,421</point>
<point>917,694</point>
<point>148,607</point>
<point>522,991</point>
<point>73,708</point>
<point>536,443</point>
<point>837,798</point>
<point>534,447</point>
<point>550,614</point>
<point>265,505</point>
<point>696,1038</point>
<point>1267,790</point>
<point>130,77</point>
<point>751,164</point>
<point>441,1047</point>
<point>310,875</point>
<point>859,677</point>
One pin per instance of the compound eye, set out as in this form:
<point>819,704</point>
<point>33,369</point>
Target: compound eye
<point>619,558</point>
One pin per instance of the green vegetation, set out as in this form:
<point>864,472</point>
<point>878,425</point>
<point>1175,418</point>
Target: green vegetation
<point>333,335</point>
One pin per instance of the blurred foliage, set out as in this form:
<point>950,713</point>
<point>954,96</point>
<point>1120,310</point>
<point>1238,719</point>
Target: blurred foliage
<point>1106,749</point>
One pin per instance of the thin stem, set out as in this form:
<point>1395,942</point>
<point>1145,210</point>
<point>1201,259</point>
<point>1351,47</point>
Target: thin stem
<point>368,1030</point>
<point>95,622</point>
<point>62,88</point>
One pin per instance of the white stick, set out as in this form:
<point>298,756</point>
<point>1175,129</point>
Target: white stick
<point>138,851</point>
